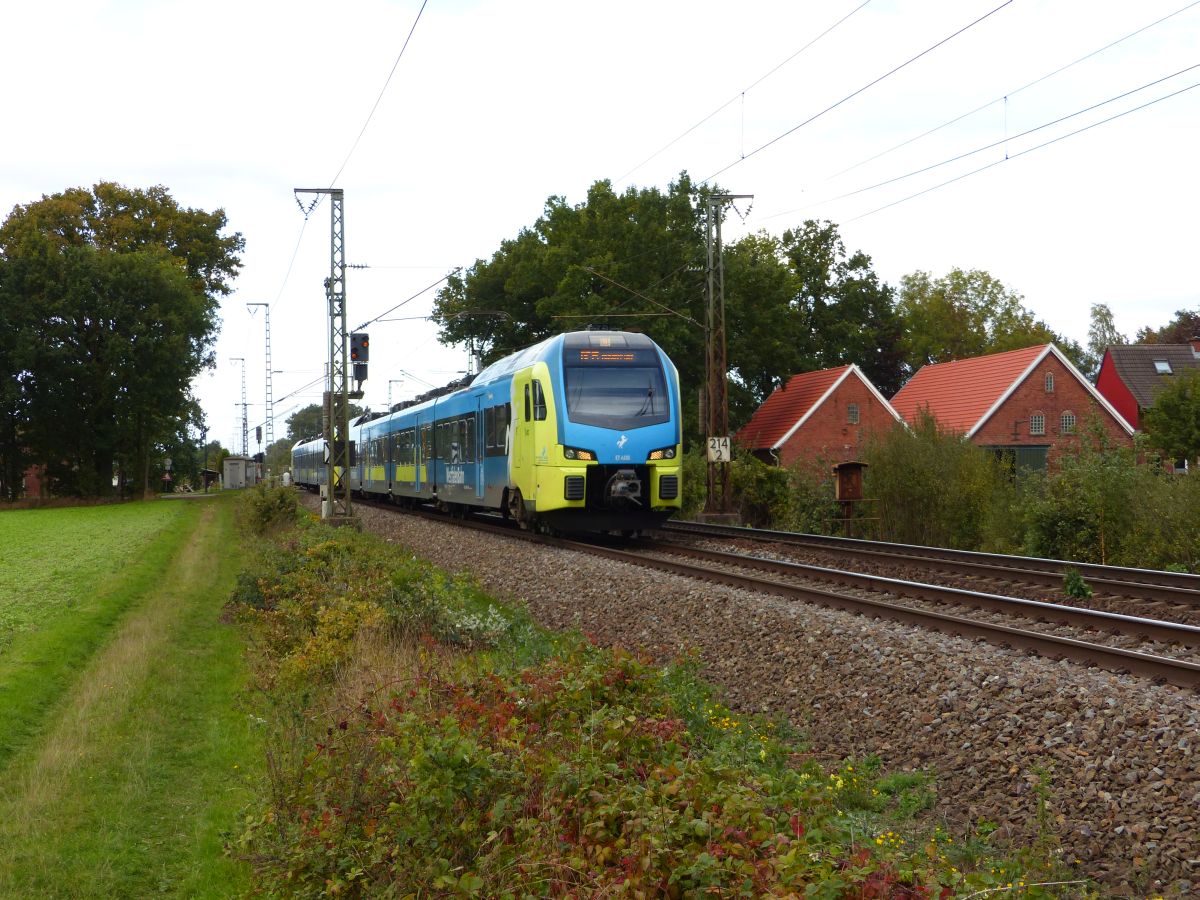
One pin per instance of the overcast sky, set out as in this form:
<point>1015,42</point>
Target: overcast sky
<point>496,106</point>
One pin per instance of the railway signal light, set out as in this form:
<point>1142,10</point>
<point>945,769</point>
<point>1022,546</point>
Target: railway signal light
<point>360,347</point>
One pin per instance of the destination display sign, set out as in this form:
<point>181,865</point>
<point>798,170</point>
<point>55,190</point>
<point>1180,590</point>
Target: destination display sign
<point>591,356</point>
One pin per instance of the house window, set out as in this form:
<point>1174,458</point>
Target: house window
<point>1162,367</point>
<point>1049,382</point>
<point>1066,422</point>
<point>852,413</point>
<point>1037,423</point>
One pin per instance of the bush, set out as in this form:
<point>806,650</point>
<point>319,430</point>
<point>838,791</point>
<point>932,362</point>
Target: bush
<point>1162,531</point>
<point>762,492</point>
<point>695,483</point>
<point>264,509</point>
<point>1083,509</point>
<point>934,487</point>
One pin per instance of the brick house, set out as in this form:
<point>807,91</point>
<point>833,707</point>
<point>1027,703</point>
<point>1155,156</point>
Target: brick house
<point>821,417</point>
<point>1131,374</point>
<point>1026,404</point>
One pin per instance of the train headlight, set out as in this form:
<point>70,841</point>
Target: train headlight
<point>581,455</point>
<point>662,453</point>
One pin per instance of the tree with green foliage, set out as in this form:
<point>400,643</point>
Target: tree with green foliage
<point>305,423</point>
<point>851,314</point>
<point>966,314</point>
<point>1183,328</point>
<point>115,293</point>
<point>1102,334</point>
<point>632,260</point>
<point>636,260</point>
<point>1172,424</point>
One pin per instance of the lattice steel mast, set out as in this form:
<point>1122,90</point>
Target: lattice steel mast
<point>337,395</point>
<point>270,423</point>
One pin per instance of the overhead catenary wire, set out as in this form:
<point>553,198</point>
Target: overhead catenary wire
<point>382,91</point>
<point>742,93</point>
<point>851,96</point>
<point>1005,140</point>
<point>1012,93</point>
<point>426,289</point>
<point>990,165</point>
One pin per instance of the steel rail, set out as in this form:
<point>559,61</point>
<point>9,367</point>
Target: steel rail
<point>1153,629</point>
<point>1158,668</point>
<point>1153,584</point>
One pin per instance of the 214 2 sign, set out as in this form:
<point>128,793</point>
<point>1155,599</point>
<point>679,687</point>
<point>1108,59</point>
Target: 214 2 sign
<point>718,449</point>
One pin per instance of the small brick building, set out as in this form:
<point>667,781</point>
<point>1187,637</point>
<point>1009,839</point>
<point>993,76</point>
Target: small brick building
<point>817,417</point>
<point>1027,404</point>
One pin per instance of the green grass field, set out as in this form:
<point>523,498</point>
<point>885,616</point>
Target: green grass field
<point>123,756</point>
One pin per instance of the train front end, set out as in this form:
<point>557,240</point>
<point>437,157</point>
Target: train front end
<point>618,454</point>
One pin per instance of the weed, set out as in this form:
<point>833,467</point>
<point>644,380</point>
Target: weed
<point>1075,586</point>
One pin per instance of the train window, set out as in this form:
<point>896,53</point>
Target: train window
<point>539,402</point>
<point>528,414</point>
<point>623,397</point>
<point>469,439</point>
<point>495,427</point>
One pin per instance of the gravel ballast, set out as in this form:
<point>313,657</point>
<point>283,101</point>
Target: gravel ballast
<point>1113,756</point>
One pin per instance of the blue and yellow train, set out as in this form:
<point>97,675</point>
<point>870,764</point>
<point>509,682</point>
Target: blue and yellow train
<point>578,433</point>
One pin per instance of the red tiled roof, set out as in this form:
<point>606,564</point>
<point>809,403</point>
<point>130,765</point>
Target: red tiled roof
<point>786,406</point>
<point>961,393</point>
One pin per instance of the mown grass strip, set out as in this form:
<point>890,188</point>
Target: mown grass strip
<point>133,785</point>
<point>91,564</point>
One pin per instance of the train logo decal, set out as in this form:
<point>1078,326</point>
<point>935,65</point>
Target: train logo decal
<point>622,441</point>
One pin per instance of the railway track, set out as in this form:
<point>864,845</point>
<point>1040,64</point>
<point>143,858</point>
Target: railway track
<point>893,599</point>
<point>1140,584</point>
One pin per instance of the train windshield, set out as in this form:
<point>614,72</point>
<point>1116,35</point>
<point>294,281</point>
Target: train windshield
<point>628,394</point>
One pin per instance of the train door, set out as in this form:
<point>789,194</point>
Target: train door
<point>480,447</point>
<point>420,450</point>
<point>520,465</point>
<point>389,464</point>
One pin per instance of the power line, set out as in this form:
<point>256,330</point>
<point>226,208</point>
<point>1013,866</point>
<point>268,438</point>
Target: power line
<point>1005,140</point>
<point>381,93</point>
<point>742,92</point>
<point>1060,69</point>
<point>888,74</point>
<point>1028,150</point>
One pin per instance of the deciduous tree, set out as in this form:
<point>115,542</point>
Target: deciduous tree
<point>1180,330</point>
<point>965,314</point>
<point>117,290</point>
<point>1172,424</point>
